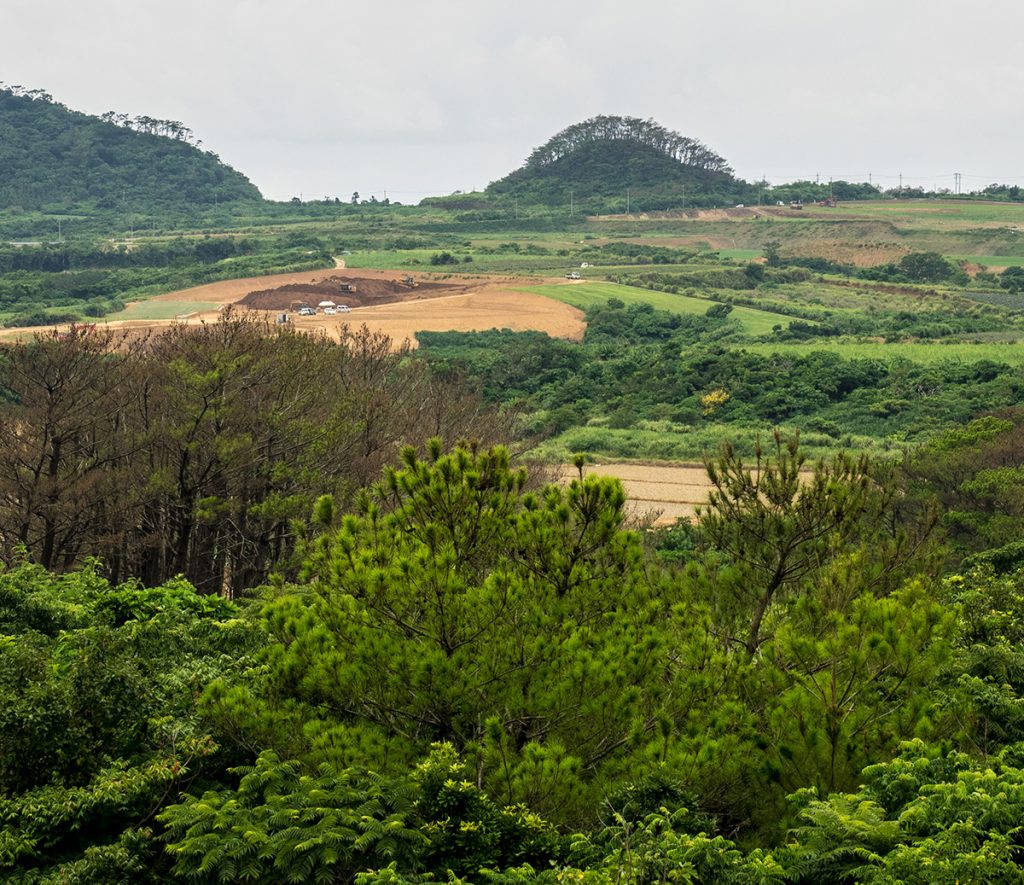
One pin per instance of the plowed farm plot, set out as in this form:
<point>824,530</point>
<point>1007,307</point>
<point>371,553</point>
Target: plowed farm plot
<point>667,493</point>
<point>659,493</point>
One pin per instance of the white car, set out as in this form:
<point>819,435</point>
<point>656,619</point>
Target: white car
<point>329,311</point>
<point>343,308</point>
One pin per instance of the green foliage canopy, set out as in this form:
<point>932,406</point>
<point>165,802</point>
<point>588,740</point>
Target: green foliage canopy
<point>55,157</point>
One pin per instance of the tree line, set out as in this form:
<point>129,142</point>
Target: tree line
<point>615,164</point>
<point>637,364</point>
<point>684,150</point>
<point>152,126</point>
<point>473,678</point>
<point>199,450</point>
<point>87,280</point>
<point>55,157</point>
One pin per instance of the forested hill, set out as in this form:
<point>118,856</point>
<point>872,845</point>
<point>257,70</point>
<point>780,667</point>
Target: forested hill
<point>57,158</point>
<point>595,162</point>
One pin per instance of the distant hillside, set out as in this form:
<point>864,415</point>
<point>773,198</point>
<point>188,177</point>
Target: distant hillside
<point>57,158</point>
<point>593,163</point>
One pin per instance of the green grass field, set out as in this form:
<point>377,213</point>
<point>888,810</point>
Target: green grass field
<point>943,212</point>
<point>1010,353</point>
<point>584,295</point>
<point>994,260</point>
<point>160,310</point>
<point>419,260</point>
<point>741,254</point>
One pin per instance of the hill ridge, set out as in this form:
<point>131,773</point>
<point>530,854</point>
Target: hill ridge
<point>611,162</point>
<point>56,157</point>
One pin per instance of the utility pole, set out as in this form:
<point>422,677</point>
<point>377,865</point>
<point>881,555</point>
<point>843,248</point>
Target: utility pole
<point>517,208</point>
<point>901,184</point>
<point>59,238</point>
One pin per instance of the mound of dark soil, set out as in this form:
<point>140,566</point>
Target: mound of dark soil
<point>367,292</point>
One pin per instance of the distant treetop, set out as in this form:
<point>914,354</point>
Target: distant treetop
<point>152,126</point>
<point>615,164</point>
<point>686,151</point>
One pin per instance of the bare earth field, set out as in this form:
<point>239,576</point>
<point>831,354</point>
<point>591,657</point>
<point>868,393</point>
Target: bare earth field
<point>487,307</point>
<point>668,493</point>
<point>440,302</point>
<point>659,493</point>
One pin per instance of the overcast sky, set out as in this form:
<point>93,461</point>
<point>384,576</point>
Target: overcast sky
<point>323,97</point>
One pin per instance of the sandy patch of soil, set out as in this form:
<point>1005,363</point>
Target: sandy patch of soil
<point>491,306</point>
<point>660,494</point>
<point>669,493</point>
<point>439,302</point>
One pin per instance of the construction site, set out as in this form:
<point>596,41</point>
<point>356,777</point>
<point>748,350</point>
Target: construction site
<point>350,291</point>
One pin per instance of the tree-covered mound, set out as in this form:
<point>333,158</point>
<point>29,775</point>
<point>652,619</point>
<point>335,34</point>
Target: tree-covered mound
<point>592,165</point>
<point>56,158</point>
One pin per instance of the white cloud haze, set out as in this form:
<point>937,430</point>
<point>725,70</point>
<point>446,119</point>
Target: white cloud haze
<point>324,97</point>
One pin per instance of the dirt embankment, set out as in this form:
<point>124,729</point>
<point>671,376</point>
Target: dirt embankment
<point>353,291</point>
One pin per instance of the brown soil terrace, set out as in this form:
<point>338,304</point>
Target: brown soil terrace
<point>658,493</point>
